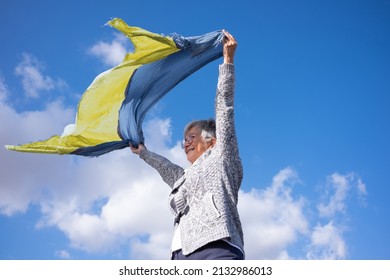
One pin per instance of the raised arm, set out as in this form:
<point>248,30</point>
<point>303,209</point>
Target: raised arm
<point>168,171</point>
<point>224,102</point>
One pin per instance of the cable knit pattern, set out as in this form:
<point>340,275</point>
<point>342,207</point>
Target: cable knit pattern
<point>206,194</point>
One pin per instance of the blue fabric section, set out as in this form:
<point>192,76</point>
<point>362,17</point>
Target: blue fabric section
<point>151,82</point>
<point>98,150</point>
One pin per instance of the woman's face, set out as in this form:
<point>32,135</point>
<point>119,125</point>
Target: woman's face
<point>195,145</point>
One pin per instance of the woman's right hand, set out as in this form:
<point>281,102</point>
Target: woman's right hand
<point>229,47</point>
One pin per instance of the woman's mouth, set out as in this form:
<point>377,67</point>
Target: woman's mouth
<point>189,149</point>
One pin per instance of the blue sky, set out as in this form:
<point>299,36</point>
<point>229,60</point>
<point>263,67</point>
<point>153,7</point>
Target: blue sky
<point>312,117</point>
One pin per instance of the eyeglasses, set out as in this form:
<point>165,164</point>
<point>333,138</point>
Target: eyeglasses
<point>188,139</point>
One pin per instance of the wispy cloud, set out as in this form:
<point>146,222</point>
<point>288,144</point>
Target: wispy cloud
<point>327,242</point>
<point>337,189</point>
<point>63,254</point>
<point>34,81</point>
<point>327,238</point>
<point>23,176</point>
<point>111,53</point>
<point>3,90</point>
<point>272,218</point>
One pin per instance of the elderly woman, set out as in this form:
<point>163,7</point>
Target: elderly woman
<point>204,196</point>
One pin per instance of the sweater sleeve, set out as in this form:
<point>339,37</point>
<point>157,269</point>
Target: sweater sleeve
<point>224,111</point>
<point>168,171</point>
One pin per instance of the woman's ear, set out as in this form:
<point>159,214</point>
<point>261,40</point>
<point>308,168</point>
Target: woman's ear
<point>213,141</point>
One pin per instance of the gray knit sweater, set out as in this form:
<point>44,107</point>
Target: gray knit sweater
<point>205,195</point>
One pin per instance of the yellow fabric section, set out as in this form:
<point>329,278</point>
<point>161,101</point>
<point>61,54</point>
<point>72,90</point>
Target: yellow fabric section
<point>98,109</point>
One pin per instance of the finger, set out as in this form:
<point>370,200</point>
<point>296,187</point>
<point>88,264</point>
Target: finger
<point>229,40</point>
<point>132,148</point>
<point>228,35</point>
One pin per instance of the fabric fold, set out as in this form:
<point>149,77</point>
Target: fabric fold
<point>112,109</point>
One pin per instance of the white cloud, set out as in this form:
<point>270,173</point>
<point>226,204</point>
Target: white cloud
<point>135,204</point>
<point>337,188</point>
<point>63,254</point>
<point>33,80</point>
<point>327,243</point>
<point>111,53</point>
<point>362,191</point>
<point>3,90</point>
<point>156,246</point>
<point>23,176</point>
<point>272,218</point>
<point>68,188</point>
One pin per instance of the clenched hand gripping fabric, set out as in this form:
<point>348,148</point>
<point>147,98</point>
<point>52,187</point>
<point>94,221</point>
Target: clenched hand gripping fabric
<point>111,111</point>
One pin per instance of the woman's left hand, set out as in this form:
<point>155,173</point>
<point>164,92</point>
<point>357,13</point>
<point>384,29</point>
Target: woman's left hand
<point>137,150</point>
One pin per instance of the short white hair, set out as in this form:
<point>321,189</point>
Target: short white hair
<point>207,128</point>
